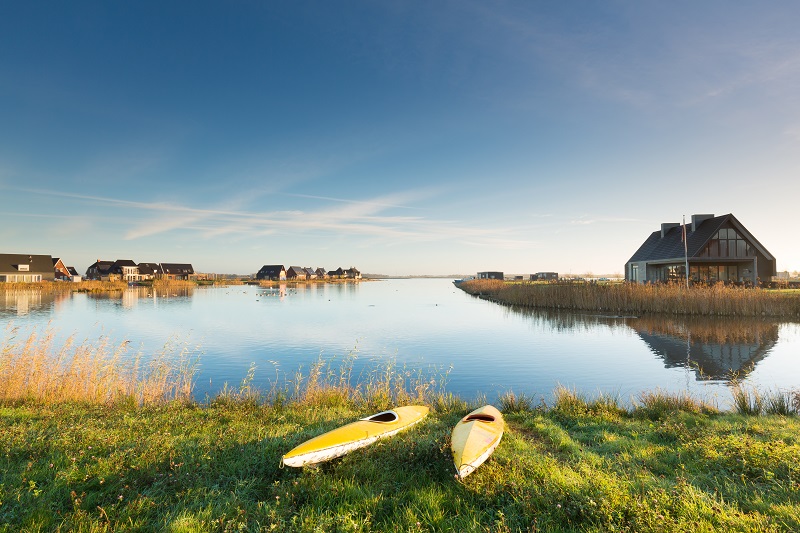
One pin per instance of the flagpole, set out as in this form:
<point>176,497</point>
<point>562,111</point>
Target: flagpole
<point>685,249</point>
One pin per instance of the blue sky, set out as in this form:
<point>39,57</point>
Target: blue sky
<point>397,137</point>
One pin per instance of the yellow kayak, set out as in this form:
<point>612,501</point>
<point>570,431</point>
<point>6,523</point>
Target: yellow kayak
<point>364,432</point>
<point>475,437</point>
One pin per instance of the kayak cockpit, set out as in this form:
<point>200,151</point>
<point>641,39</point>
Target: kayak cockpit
<point>479,417</point>
<point>385,416</point>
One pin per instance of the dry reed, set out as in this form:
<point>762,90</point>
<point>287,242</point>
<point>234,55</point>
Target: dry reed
<point>632,298</point>
<point>33,369</point>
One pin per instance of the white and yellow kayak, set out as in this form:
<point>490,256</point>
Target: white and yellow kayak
<point>364,432</point>
<point>475,437</point>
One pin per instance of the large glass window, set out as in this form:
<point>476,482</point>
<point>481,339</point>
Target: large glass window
<point>727,243</point>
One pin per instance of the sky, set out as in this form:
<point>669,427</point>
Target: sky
<point>399,137</point>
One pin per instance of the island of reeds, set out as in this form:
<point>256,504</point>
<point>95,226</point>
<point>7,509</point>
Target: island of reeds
<point>637,299</point>
<point>94,439</point>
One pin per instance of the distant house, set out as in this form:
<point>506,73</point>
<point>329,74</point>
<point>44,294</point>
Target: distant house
<point>545,276</point>
<point>74,274</point>
<point>310,273</point>
<point>100,270</point>
<point>272,272</point>
<point>338,273</point>
<point>321,273</point>
<point>297,273</point>
<point>149,271</point>
<point>26,268</point>
<point>352,273</point>
<point>490,275</point>
<point>718,249</point>
<point>60,270</point>
<point>124,269</point>
<point>178,271</point>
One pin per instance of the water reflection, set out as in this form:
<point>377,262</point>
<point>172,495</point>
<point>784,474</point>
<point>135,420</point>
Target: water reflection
<point>20,303</point>
<point>718,349</point>
<point>130,297</point>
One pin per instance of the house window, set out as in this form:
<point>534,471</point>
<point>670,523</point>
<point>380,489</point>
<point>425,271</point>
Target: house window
<point>24,268</point>
<point>635,272</point>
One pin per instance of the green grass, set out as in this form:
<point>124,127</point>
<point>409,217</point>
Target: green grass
<point>581,464</point>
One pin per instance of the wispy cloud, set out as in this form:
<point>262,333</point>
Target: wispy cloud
<point>392,217</point>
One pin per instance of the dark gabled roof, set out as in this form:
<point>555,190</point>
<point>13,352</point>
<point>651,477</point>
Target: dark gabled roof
<point>670,246</point>
<point>149,268</point>
<point>124,263</point>
<point>36,263</point>
<point>271,268</point>
<point>177,268</point>
<point>72,271</point>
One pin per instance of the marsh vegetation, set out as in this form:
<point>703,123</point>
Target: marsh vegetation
<point>637,299</point>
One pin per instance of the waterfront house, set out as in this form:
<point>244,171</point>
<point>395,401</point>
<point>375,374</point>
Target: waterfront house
<point>545,276</point>
<point>321,273</point>
<point>26,268</point>
<point>718,249</point>
<point>490,275</point>
<point>272,272</point>
<point>296,273</point>
<point>310,273</point>
<point>99,270</point>
<point>338,273</point>
<point>124,269</point>
<point>60,270</point>
<point>352,273</point>
<point>149,271</point>
<point>177,271</point>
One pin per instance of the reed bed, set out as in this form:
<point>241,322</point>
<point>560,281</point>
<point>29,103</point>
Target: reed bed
<point>35,369</point>
<point>632,298</point>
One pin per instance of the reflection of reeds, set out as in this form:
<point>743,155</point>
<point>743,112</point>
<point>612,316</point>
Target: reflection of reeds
<point>34,369</point>
<point>731,330</point>
<point>632,298</point>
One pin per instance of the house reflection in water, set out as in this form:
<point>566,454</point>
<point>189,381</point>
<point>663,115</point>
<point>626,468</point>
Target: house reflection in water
<point>718,349</point>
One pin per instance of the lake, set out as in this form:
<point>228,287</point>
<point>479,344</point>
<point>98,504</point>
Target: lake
<point>478,347</point>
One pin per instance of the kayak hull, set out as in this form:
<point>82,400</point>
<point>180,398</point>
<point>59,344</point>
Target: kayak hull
<point>358,434</point>
<point>475,437</point>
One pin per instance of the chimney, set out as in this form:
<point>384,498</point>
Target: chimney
<point>666,226</point>
<point>699,219</point>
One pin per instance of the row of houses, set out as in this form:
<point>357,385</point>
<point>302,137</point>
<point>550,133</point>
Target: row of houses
<point>127,270</point>
<point>28,268</point>
<point>296,273</point>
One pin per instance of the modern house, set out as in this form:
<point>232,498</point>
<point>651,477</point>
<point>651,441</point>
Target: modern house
<point>352,273</point>
<point>717,249</point>
<point>297,273</point>
<point>321,273</point>
<point>179,271</point>
<point>149,271</point>
<point>272,272</point>
<point>490,275</point>
<point>100,270</point>
<point>26,268</point>
<point>338,273</point>
<point>545,276</point>
<point>124,269</point>
<point>310,273</point>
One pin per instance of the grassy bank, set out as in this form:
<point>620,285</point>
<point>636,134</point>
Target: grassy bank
<point>637,299</point>
<point>577,465</point>
<point>110,459</point>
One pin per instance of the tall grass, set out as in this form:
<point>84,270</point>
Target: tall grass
<point>35,369</point>
<point>633,298</point>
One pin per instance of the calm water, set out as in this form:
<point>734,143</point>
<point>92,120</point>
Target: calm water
<point>428,324</point>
